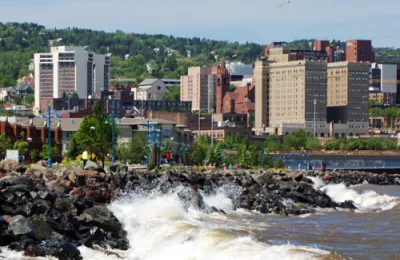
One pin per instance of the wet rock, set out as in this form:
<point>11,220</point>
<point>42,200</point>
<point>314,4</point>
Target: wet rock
<point>348,205</point>
<point>61,250</point>
<point>7,237</point>
<point>101,217</point>
<point>33,251</point>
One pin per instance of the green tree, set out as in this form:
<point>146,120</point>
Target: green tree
<point>95,133</point>
<point>21,145</point>
<point>44,154</point>
<point>73,148</point>
<point>171,63</point>
<point>34,155</point>
<point>173,93</point>
<point>199,149</point>
<point>313,144</point>
<point>279,163</point>
<point>272,143</point>
<point>133,151</point>
<point>5,144</point>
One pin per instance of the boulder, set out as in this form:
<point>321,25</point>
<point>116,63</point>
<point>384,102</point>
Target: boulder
<point>101,217</point>
<point>91,165</point>
<point>61,250</point>
<point>39,222</point>
<point>65,205</point>
<point>23,226</point>
<point>33,251</point>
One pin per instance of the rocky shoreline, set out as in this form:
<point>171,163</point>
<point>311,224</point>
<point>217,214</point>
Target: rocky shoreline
<point>52,212</point>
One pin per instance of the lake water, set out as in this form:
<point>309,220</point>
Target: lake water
<point>160,228</point>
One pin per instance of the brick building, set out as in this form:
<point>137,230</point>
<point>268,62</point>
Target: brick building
<point>35,132</point>
<point>359,50</point>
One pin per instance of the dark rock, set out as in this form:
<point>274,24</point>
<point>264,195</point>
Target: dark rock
<point>39,222</point>
<point>65,206</point>
<point>33,251</point>
<point>347,205</point>
<point>62,250</point>
<point>23,226</point>
<point>90,165</point>
<point>7,237</point>
<point>96,236</point>
<point>123,244</point>
<point>101,217</point>
<point>40,206</point>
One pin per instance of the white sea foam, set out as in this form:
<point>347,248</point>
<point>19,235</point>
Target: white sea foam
<point>160,227</point>
<point>365,201</point>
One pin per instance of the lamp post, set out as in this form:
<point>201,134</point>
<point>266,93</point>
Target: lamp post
<point>49,161</point>
<point>112,136</point>
<point>315,113</point>
<point>152,136</point>
<point>212,129</point>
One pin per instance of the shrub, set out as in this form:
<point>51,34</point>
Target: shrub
<point>151,166</point>
<point>279,163</point>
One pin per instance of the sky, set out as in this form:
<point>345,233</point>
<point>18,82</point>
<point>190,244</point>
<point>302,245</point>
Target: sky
<point>259,21</point>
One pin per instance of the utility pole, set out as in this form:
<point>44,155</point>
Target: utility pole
<point>198,133</point>
<point>315,113</point>
<point>49,161</point>
<point>212,129</point>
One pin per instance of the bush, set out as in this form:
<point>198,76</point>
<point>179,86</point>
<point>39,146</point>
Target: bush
<point>279,163</point>
<point>34,155</point>
<point>151,166</point>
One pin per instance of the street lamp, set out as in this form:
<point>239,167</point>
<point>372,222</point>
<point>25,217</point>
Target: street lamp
<point>49,161</point>
<point>112,135</point>
<point>212,129</point>
<point>153,132</point>
<point>315,113</point>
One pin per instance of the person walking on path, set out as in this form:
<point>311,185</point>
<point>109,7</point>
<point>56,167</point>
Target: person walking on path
<point>85,157</point>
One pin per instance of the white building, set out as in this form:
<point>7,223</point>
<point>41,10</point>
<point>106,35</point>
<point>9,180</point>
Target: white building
<point>238,68</point>
<point>7,93</point>
<point>383,78</point>
<point>101,73</point>
<point>69,69</point>
<point>150,89</point>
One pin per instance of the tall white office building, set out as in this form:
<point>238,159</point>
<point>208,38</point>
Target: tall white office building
<point>69,69</point>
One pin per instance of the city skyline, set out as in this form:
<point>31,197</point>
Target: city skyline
<point>223,20</point>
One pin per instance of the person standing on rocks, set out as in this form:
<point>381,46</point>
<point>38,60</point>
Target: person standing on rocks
<point>85,157</point>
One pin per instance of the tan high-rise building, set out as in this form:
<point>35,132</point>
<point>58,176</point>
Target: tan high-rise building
<point>288,91</point>
<point>348,84</point>
<point>298,96</point>
<point>199,88</point>
<point>261,81</point>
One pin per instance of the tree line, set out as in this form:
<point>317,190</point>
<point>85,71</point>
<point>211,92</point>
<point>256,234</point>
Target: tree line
<point>133,55</point>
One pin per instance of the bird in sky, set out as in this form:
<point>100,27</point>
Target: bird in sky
<point>286,2</point>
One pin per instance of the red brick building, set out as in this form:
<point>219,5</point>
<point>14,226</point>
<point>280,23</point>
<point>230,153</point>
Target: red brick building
<point>240,101</point>
<point>222,86</point>
<point>35,132</point>
<point>359,50</point>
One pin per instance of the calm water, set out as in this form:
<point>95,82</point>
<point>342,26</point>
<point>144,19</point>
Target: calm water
<point>160,228</point>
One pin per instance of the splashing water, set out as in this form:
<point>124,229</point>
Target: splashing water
<point>365,201</point>
<point>159,227</point>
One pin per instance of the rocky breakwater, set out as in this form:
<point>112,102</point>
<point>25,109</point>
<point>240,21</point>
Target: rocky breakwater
<point>51,213</point>
<point>266,192</point>
<point>360,177</point>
